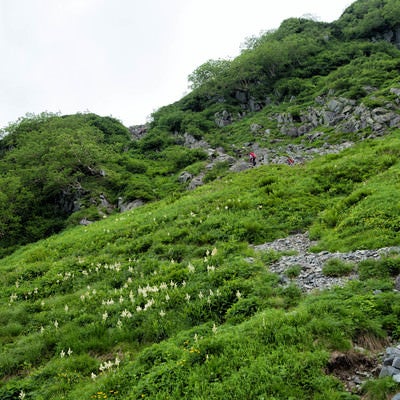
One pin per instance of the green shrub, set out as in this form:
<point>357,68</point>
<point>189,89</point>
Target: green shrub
<point>241,310</point>
<point>379,389</point>
<point>336,267</point>
<point>293,271</point>
<point>368,269</point>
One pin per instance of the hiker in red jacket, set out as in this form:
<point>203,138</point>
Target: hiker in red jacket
<point>252,157</point>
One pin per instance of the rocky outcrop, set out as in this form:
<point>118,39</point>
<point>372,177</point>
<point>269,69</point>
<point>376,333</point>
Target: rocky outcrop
<point>126,206</point>
<point>138,131</point>
<point>345,115</point>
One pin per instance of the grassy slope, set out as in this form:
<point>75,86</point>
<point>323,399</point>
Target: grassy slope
<point>170,301</point>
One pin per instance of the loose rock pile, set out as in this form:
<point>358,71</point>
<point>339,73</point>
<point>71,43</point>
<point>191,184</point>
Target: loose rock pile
<point>311,264</point>
<point>391,364</point>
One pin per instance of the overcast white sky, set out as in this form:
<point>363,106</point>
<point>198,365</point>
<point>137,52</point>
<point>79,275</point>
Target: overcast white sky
<point>124,58</point>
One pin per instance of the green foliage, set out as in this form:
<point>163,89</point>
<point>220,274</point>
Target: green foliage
<point>366,18</point>
<point>212,70</point>
<point>379,389</point>
<point>336,267</point>
<point>170,300</point>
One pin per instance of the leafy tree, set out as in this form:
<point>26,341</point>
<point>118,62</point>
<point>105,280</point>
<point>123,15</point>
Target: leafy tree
<point>210,71</point>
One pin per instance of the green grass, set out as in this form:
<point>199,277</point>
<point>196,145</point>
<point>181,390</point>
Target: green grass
<point>170,301</point>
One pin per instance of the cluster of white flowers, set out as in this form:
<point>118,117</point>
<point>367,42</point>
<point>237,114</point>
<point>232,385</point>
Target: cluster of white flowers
<point>66,276</point>
<point>107,365</point>
<point>210,268</point>
<point>13,298</point>
<point>68,353</point>
<point>126,314</point>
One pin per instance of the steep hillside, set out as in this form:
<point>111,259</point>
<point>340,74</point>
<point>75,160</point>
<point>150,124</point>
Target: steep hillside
<point>171,300</point>
<point>156,262</point>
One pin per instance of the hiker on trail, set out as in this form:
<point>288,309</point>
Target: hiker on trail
<point>290,161</point>
<point>252,157</point>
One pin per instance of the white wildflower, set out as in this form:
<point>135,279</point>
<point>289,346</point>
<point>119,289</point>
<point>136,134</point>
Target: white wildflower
<point>196,338</point>
<point>21,395</point>
<point>187,297</point>
<point>126,314</point>
<point>13,297</point>
<point>66,308</point>
<point>119,324</point>
<point>105,316</point>
<point>238,294</point>
<point>214,252</point>
<point>162,313</point>
<point>210,268</point>
<point>93,376</point>
<point>214,329</point>
<point>56,324</point>
<point>167,297</point>
<point>69,352</point>
<point>138,309</point>
<point>183,283</point>
<point>191,268</point>
<point>201,295</point>
<point>117,361</point>
<point>62,354</point>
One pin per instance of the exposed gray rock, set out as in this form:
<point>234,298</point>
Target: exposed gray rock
<point>185,177</point>
<point>388,370</point>
<point>197,181</point>
<point>343,114</point>
<point>126,206</point>
<point>311,264</point>
<point>254,128</point>
<point>192,143</point>
<point>138,131</point>
<point>395,91</point>
<point>396,362</point>
<point>397,283</point>
<point>223,118</point>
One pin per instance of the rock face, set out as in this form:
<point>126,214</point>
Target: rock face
<point>138,131</point>
<point>345,115</point>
